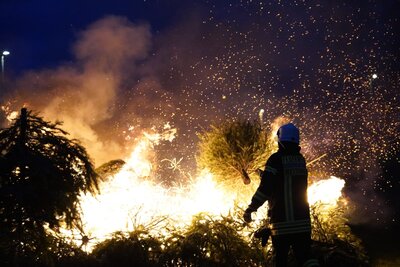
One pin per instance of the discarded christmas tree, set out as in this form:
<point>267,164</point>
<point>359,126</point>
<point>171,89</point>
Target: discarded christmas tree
<point>42,175</point>
<point>234,150</point>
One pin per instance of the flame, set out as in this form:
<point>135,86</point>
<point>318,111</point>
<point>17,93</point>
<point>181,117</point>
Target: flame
<point>132,198</point>
<point>10,114</point>
<point>326,192</point>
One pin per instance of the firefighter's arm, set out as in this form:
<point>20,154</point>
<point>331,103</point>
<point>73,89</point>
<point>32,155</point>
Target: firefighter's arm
<point>263,191</point>
<point>257,201</point>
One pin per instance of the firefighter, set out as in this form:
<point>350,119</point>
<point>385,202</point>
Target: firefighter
<point>284,185</point>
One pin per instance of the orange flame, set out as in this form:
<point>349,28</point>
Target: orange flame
<point>10,114</point>
<point>132,198</point>
<point>326,192</point>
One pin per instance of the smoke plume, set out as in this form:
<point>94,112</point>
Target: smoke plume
<point>83,94</point>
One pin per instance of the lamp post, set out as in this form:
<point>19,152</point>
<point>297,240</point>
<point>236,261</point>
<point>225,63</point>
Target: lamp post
<point>373,77</point>
<point>3,55</point>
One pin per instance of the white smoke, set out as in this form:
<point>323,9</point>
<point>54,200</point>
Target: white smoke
<point>84,94</point>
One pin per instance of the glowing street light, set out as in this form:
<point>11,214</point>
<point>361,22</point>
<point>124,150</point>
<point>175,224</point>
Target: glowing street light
<point>3,55</point>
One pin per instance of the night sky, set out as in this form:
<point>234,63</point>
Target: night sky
<point>40,34</point>
<point>110,70</point>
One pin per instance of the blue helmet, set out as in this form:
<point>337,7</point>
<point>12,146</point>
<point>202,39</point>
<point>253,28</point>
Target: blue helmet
<point>289,133</point>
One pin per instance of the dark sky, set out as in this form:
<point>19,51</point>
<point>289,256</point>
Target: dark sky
<point>192,63</point>
<point>40,33</point>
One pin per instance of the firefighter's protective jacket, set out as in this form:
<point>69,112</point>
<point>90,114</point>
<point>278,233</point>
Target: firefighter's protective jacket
<point>284,185</point>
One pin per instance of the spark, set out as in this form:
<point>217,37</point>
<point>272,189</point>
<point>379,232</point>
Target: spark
<point>261,115</point>
<point>174,164</point>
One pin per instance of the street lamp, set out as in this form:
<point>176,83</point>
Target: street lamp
<point>374,76</point>
<point>3,55</point>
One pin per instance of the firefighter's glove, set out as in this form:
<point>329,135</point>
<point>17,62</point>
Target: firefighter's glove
<point>247,215</point>
<point>263,234</point>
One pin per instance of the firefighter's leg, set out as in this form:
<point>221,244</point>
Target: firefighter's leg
<point>302,250</point>
<point>281,247</point>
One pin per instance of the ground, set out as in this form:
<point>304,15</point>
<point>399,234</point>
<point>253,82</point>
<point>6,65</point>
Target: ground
<point>381,242</point>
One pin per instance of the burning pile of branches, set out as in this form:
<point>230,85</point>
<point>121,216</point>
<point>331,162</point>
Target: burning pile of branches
<point>137,221</point>
<point>333,239</point>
